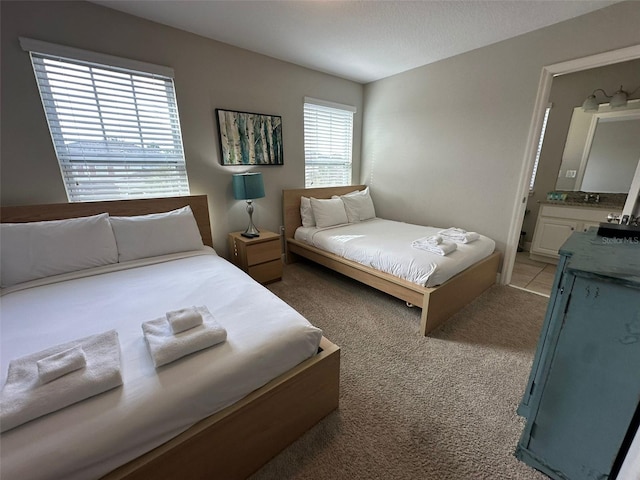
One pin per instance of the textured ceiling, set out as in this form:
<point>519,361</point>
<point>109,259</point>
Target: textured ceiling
<point>358,40</point>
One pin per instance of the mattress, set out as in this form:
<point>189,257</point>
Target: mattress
<point>385,245</point>
<point>265,338</point>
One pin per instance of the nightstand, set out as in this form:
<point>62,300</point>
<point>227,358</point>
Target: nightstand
<point>260,257</point>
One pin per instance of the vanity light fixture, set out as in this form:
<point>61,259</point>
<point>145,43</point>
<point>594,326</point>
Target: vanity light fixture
<point>248,186</point>
<point>617,100</point>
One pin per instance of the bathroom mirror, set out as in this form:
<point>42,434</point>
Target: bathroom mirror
<point>602,150</point>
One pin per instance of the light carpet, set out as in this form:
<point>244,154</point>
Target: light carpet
<point>414,407</point>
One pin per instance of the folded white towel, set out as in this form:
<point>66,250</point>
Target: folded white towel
<point>431,240</point>
<point>444,248</point>
<point>59,364</point>
<point>165,346</point>
<point>459,235</point>
<point>184,319</point>
<point>24,397</point>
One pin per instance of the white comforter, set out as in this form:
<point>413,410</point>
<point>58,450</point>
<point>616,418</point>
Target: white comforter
<point>265,338</point>
<point>386,246</point>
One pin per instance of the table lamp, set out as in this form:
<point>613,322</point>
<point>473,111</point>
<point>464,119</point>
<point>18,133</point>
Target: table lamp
<point>248,186</point>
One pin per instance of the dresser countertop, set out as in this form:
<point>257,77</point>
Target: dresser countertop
<point>604,256</point>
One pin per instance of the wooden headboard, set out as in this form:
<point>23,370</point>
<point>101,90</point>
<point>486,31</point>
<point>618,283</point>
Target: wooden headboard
<point>123,208</point>
<point>291,203</point>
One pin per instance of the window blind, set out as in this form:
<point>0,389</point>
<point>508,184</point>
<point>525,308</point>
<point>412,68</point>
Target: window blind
<point>116,132</point>
<point>328,137</point>
<point>539,150</point>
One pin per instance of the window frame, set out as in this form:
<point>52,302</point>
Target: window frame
<point>336,117</point>
<point>116,112</point>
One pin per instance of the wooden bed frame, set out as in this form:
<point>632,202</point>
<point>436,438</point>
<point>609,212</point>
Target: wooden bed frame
<point>236,441</point>
<point>438,303</point>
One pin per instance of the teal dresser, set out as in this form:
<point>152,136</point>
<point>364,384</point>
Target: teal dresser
<point>582,400</point>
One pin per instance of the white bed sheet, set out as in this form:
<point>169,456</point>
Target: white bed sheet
<point>266,338</point>
<point>630,469</point>
<point>385,245</point>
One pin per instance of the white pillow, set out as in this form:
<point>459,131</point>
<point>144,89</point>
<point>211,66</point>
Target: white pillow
<point>328,212</point>
<point>41,249</point>
<point>357,192</point>
<point>306,213</point>
<point>358,206</point>
<point>156,234</point>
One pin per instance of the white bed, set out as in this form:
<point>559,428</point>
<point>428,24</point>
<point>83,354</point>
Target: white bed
<point>152,405</point>
<point>385,245</point>
<point>438,303</point>
<point>191,417</point>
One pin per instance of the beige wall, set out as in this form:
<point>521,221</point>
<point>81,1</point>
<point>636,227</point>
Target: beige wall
<point>568,92</point>
<point>208,75</point>
<point>444,144</point>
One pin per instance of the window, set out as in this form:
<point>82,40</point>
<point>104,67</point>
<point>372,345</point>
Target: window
<point>115,129</point>
<point>535,163</point>
<point>328,138</point>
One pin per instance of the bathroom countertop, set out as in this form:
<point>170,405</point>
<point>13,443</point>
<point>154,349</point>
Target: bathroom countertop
<point>577,199</point>
<point>572,203</point>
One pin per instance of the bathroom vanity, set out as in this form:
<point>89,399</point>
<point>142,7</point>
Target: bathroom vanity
<point>598,162</point>
<point>558,220</point>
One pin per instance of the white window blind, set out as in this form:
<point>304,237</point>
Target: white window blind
<point>539,151</point>
<point>116,131</point>
<point>328,138</point>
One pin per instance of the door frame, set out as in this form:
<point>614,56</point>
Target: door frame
<point>542,100</point>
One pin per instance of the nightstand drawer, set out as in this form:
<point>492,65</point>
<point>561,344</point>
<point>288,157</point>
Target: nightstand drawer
<point>267,272</point>
<point>260,257</point>
<point>263,252</point>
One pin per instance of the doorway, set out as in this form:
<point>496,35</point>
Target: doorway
<point>532,275</point>
<point>548,72</point>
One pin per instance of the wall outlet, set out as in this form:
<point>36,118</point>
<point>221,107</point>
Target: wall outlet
<point>571,173</point>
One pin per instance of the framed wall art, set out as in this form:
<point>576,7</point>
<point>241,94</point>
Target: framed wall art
<point>249,138</point>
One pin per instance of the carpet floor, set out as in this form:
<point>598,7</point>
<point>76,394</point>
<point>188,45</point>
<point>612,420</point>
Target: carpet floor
<point>414,407</point>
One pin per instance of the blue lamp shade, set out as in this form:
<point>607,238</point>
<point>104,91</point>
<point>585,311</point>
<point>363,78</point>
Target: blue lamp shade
<point>247,186</point>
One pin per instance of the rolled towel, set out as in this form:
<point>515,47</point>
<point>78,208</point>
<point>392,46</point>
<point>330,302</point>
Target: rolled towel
<point>444,248</point>
<point>459,235</point>
<point>184,319</point>
<point>62,363</point>
<point>166,347</point>
<point>432,240</point>
<point>467,237</point>
<point>24,397</point>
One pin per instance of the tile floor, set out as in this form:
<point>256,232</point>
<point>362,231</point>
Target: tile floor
<point>532,275</point>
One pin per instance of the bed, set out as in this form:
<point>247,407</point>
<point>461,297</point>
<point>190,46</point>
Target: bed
<point>273,378</point>
<point>438,303</point>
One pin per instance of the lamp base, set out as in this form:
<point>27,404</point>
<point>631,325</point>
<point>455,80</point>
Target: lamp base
<point>251,231</point>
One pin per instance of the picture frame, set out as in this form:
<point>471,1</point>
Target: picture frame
<point>249,138</point>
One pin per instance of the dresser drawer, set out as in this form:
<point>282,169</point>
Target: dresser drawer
<point>267,272</point>
<point>263,252</point>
